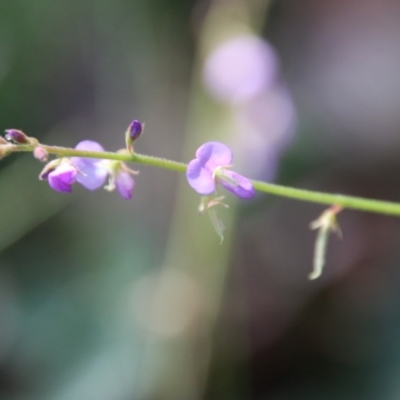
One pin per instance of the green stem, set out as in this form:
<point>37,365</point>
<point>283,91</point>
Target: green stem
<point>104,155</point>
<point>357,203</point>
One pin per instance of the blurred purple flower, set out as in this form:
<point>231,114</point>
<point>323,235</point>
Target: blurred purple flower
<point>265,127</point>
<point>63,177</point>
<point>240,69</point>
<point>243,72</point>
<point>209,168</point>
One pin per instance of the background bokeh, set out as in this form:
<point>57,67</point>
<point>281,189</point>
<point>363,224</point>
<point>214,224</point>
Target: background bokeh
<point>106,299</point>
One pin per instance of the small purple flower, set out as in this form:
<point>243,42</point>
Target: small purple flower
<point>210,167</point>
<point>63,177</point>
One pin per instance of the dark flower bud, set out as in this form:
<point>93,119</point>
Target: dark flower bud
<point>16,136</point>
<point>135,129</point>
<point>132,133</point>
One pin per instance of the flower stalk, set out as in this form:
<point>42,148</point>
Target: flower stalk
<point>350,202</point>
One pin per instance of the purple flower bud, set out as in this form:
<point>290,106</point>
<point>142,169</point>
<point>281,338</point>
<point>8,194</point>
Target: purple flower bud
<point>16,136</point>
<point>132,133</point>
<point>62,178</point>
<point>135,129</point>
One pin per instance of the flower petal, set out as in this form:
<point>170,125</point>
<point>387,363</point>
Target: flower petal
<point>91,175</point>
<point>214,154</point>
<point>62,178</point>
<point>237,184</point>
<point>92,172</point>
<point>89,145</point>
<point>124,184</point>
<point>200,178</point>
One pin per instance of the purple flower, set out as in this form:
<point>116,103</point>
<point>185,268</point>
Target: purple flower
<point>92,171</point>
<point>210,167</point>
<point>63,177</point>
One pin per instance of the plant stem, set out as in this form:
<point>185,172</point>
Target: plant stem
<point>357,203</point>
<point>104,155</point>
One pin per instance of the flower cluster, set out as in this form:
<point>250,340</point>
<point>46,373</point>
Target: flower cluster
<point>91,173</point>
<point>87,167</point>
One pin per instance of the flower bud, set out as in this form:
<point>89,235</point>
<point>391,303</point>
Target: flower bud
<point>3,141</point>
<point>135,129</point>
<point>16,136</point>
<point>132,133</point>
<point>40,153</point>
